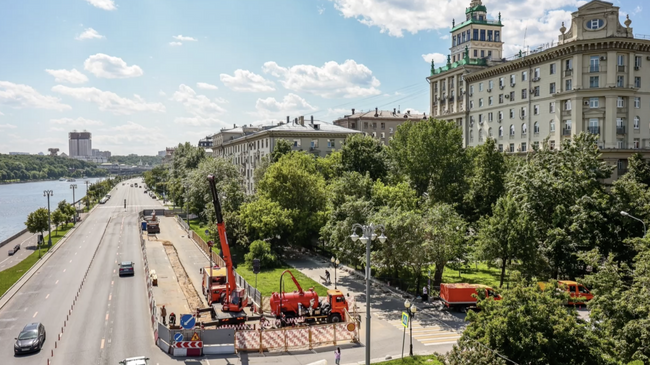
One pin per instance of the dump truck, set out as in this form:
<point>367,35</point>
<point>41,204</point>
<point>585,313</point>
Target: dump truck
<point>459,296</point>
<point>306,304</point>
<point>579,293</point>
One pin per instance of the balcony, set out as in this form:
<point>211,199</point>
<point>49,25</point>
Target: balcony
<point>594,68</point>
<point>620,129</point>
<point>512,136</point>
<point>620,68</point>
<point>594,130</point>
<point>568,72</point>
<point>523,134</point>
<point>566,131</point>
<point>566,113</point>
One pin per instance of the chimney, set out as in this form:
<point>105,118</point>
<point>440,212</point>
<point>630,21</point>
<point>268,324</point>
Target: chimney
<point>376,112</point>
<point>287,119</point>
<point>234,125</point>
<point>408,112</point>
<point>301,120</point>
<point>352,111</point>
<point>424,115</point>
<point>312,120</point>
<point>394,111</point>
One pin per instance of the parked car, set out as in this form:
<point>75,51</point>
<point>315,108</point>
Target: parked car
<point>30,339</point>
<point>14,250</point>
<point>126,268</point>
<point>145,191</point>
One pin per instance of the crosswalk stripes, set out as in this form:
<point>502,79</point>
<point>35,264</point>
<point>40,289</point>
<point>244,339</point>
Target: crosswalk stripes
<point>429,335</point>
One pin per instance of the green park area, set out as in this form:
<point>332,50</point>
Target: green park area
<point>414,360</point>
<point>268,281</point>
<point>9,276</point>
<point>476,273</point>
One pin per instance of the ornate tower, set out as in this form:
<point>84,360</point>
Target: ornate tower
<point>477,35</point>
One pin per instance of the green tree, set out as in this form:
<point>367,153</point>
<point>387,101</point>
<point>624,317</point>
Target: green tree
<point>444,237</point>
<point>638,169</point>
<point>66,209</point>
<point>468,352</point>
<point>266,219</point>
<point>261,250</point>
<point>58,218</point>
<point>400,195</point>
<point>282,147</point>
<point>37,221</point>
<point>530,326</point>
<point>364,154</point>
<point>486,180</point>
<point>430,153</point>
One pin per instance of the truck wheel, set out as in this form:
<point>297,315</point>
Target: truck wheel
<point>335,318</point>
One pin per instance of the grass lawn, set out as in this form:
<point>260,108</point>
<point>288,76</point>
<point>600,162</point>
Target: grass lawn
<point>471,275</point>
<point>415,360</point>
<point>269,281</point>
<point>11,275</point>
<point>199,228</point>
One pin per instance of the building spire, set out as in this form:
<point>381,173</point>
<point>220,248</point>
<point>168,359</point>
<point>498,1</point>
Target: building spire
<point>475,3</point>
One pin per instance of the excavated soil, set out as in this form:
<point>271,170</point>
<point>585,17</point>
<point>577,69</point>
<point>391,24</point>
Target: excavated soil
<point>192,297</point>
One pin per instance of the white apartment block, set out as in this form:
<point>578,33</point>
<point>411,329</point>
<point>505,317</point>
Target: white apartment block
<point>246,146</point>
<point>596,79</point>
<point>380,124</point>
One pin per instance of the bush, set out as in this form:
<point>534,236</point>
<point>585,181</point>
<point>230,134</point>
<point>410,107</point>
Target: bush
<point>261,250</point>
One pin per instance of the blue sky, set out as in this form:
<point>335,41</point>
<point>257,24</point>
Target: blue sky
<point>145,74</point>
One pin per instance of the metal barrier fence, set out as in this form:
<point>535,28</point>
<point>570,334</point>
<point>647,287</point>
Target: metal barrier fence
<point>182,223</point>
<point>152,302</point>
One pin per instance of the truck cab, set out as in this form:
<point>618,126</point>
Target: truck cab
<point>218,287</point>
<point>579,293</point>
<point>338,305</point>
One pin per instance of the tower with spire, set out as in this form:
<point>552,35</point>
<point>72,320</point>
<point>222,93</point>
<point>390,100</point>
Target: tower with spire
<point>477,36</point>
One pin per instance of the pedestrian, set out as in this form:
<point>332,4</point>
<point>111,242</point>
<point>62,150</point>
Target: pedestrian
<point>337,355</point>
<point>163,314</point>
<point>425,294</point>
<point>327,276</point>
<point>172,319</point>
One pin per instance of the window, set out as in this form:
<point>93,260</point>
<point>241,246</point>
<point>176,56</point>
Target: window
<point>475,53</point>
<point>512,148</point>
<point>536,128</point>
<point>490,84</point>
<point>482,34</point>
<point>490,100</point>
<point>567,85</point>
<point>512,129</point>
<point>637,122</point>
<point>552,126</point>
<point>475,34</point>
<point>536,146</point>
<point>536,72</point>
<point>524,93</point>
<point>594,24</point>
<point>512,96</point>
<point>567,105</point>
<point>500,98</point>
<point>500,147</point>
<point>593,102</point>
<point>296,143</point>
<point>567,125</point>
<point>490,117</point>
<point>314,143</point>
<point>500,131</point>
<point>593,126</point>
<point>471,90</point>
<point>512,80</point>
<point>480,102</point>
<point>471,104</point>
<point>454,41</point>
<point>383,135</point>
<point>330,143</point>
<point>512,113</point>
<point>480,119</point>
<point>551,107</point>
<point>621,60</point>
<point>480,86</point>
<point>496,36</point>
<point>637,82</point>
<point>637,61</point>
<point>594,63</point>
<point>620,144</point>
<point>636,143</point>
<point>524,129</point>
<point>365,125</point>
<point>489,35</point>
<point>374,125</point>
<point>551,145</point>
<point>535,109</point>
<point>551,88</point>
<point>523,146</point>
<point>523,112</point>
<point>620,102</point>
<point>620,81</point>
<point>524,75</point>
<point>500,116</point>
<point>536,91</point>
<point>637,102</point>
<point>383,125</point>
<point>594,81</point>
<point>620,122</point>
<point>502,82</point>
<point>480,135</point>
<point>482,53</point>
<point>390,130</point>
<point>552,69</point>
<point>568,64</point>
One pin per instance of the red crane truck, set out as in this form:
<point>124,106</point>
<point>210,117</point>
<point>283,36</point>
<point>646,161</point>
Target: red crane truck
<point>305,305</point>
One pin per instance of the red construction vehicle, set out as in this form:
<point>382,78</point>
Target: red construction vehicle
<point>305,305</point>
<point>218,275</point>
<point>459,296</point>
<point>230,308</point>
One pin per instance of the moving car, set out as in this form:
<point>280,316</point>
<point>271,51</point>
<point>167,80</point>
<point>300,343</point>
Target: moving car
<point>14,250</point>
<point>30,339</point>
<point>126,268</point>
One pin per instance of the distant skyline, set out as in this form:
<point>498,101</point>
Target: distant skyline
<point>142,75</point>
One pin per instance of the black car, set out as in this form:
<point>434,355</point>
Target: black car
<point>126,268</point>
<point>30,339</point>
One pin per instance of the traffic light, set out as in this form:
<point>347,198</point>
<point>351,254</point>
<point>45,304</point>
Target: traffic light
<point>256,266</point>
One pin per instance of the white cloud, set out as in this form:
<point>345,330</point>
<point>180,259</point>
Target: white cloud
<point>57,129</point>
<point>131,134</point>
<point>203,110</point>
<point>23,96</point>
<point>103,4</point>
<point>79,122</point>
<point>1,113</point>
<point>7,126</point>
<point>109,101</point>
<point>637,10</point>
<point>540,19</point>
<point>109,67</point>
<point>73,76</point>
<point>291,104</point>
<point>162,93</point>
<point>89,33</point>
<point>246,81</point>
<point>203,85</point>
<point>437,58</point>
<point>175,44</point>
<point>333,80</point>
<point>183,38</point>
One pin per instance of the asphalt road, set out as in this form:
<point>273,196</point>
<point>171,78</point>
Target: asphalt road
<point>27,243</point>
<point>110,320</point>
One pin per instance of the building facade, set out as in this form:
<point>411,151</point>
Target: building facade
<point>380,124</point>
<point>80,144</point>
<point>246,146</point>
<point>596,80</point>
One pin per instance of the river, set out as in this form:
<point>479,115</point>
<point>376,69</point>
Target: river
<point>18,200</point>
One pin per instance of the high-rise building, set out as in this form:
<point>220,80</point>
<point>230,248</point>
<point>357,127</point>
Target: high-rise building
<point>80,143</point>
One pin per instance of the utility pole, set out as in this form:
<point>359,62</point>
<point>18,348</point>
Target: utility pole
<point>74,204</point>
<point>87,197</point>
<point>48,194</point>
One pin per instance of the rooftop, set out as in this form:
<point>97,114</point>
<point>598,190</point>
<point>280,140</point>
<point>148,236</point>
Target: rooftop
<point>383,114</point>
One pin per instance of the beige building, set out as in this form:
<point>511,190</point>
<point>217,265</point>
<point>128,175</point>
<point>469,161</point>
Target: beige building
<point>246,146</point>
<point>596,79</point>
<point>380,124</point>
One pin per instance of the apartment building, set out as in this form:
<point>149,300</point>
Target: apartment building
<point>380,124</point>
<point>246,146</point>
<point>596,79</point>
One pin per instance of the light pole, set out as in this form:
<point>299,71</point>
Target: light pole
<point>87,198</point>
<point>367,236</point>
<point>187,206</point>
<point>48,194</point>
<point>335,263</point>
<point>74,204</point>
<point>410,309</point>
<point>626,214</point>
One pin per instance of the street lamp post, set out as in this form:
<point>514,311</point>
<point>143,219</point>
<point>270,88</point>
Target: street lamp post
<point>626,214</point>
<point>335,263</point>
<point>367,236</point>
<point>48,194</point>
<point>74,204</point>
<point>410,309</point>
<point>87,197</point>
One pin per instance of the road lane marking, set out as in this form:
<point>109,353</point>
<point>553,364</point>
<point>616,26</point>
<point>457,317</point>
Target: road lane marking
<point>34,316</point>
<point>102,346</point>
<point>110,296</point>
<point>106,316</point>
<point>112,282</point>
<point>75,253</point>
<point>79,246</point>
<point>70,261</point>
<point>47,296</point>
<point>56,282</point>
<point>63,270</point>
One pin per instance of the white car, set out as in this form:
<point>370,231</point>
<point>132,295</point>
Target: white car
<point>140,360</point>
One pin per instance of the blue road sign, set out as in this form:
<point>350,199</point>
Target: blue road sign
<point>188,321</point>
<point>207,232</point>
<point>178,337</point>
<point>405,319</point>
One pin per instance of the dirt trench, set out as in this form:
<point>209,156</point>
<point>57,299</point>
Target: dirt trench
<point>192,297</point>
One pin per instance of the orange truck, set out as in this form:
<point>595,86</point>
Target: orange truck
<point>579,293</point>
<point>218,284</point>
<point>459,296</point>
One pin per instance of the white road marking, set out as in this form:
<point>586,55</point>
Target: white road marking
<point>56,282</point>
<point>47,296</point>
<point>106,316</point>
<point>75,253</point>
<point>112,283</point>
<point>34,316</point>
<point>64,270</point>
<point>110,296</point>
<point>102,346</point>
<point>70,261</point>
